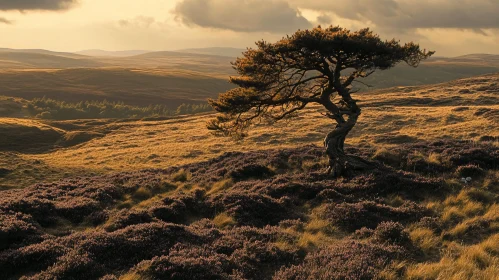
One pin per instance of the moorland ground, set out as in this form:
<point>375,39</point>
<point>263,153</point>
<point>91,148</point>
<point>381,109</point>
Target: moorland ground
<point>35,150</point>
<point>160,198</point>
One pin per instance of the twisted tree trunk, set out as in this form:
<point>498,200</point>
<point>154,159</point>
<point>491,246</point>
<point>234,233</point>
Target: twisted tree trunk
<point>339,162</point>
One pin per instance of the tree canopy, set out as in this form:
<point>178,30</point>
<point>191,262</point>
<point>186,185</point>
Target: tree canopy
<point>276,80</point>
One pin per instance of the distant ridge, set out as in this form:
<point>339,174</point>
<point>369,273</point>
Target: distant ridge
<point>96,52</point>
<point>221,51</point>
<point>24,59</point>
<point>45,52</point>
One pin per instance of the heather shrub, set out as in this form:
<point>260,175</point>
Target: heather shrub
<point>347,260</point>
<point>74,265</point>
<point>470,170</point>
<point>31,258</point>
<point>257,259</point>
<point>180,208</point>
<point>251,171</point>
<point>256,225</point>
<point>484,157</point>
<point>363,233</point>
<point>76,209</point>
<point>187,263</point>
<point>391,232</point>
<point>97,218</point>
<point>42,210</point>
<point>252,209</point>
<point>16,229</point>
<point>126,218</point>
<point>353,216</point>
<point>388,157</point>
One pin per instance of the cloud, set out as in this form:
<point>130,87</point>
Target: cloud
<point>5,21</point>
<point>26,5</point>
<point>138,22</point>
<point>403,14</point>
<point>241,15</point>
<point>324,19</point>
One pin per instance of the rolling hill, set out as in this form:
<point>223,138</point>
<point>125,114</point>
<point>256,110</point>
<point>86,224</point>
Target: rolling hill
<point>165,199</point>
<point>465,109</point>
<point>45,52</point>
<point>230,52</point>
<point>171,78</point>
<point>140,87</point>
<point>29,60</point>
<point>100,53</point>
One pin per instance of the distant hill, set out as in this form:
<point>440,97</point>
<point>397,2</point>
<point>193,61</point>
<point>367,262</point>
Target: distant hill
<point>221,51</point>
<point>175,77</point>
<point>211,65</point>
<point>111,53</point>
<point>46,52</point>
<point>133,86</point>
<point>30,60</point>
<point>480,58</point>
<point>426,73</point>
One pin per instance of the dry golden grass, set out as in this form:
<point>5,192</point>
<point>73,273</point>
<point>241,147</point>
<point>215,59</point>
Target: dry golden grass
<point>390,117</point>
<point>479,261</point>
<point>220,186</point>
<point>223,220</point>
<point>425,239</point>
<point>132,145</point>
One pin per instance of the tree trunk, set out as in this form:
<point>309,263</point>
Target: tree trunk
<point>339,162</point>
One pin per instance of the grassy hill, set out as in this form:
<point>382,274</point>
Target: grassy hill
<point>45,52</point>
<point>465,109</point>
<point>268,214</point>
<point>23,60</point>
<point>230,52</point>
<point>101,53</point>
<point>173,78</point>
<point>140,87</point>
<point>164,198</point>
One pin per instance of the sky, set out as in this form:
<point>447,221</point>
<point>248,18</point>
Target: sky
<point>450,27</point>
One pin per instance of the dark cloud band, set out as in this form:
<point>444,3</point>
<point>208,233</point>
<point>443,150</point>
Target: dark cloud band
<point>242,16</point>
<point>463,14</point>
<point>26,5</point>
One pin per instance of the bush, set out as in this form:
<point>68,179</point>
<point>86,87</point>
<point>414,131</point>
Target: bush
<point>252,209</point>
<point>470,170</point>
<point>348,260</point>
<point>251,171</point>
<point>186,263</point>
<point>126,218</point>
<point>17,229</point>
<point>181,176</point>
<point>354,216</point>
<point>391,232</point>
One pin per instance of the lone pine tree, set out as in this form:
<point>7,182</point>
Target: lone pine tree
<point>277,80</point>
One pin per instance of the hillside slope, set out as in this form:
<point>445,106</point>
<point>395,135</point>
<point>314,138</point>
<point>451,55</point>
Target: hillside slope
<point>265,215</point>
<point>132,86</point>
<point>465,109</point>
<point>178,77</point>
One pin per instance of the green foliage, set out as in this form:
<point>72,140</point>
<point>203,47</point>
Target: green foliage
<point>46,108</point>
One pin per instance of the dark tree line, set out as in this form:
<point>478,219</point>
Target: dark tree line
<point>47,108</point>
